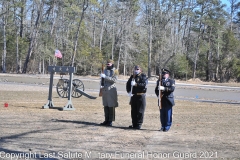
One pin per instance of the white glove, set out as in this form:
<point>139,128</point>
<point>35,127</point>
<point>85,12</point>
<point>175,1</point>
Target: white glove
<point>103,75</point>
<point>133,83</point>
<point>161,88</point>
<point>102,87</point>
<point>129,94</point>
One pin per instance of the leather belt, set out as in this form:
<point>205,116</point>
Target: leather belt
<point>139,94</point>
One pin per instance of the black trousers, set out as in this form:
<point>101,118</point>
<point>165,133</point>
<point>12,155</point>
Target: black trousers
<point>109,113</point>
<point>138,105</point>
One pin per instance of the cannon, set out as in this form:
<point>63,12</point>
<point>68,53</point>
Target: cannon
<point>63,87</point>
<point>66,88</point>
<point>77,88</point>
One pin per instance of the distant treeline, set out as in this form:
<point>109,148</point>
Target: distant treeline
<point>192,38</point>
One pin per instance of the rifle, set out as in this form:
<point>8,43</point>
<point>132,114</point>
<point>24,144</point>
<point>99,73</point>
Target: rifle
<point>133,79</point>
<point>160,92</point>
<point>102,79</point>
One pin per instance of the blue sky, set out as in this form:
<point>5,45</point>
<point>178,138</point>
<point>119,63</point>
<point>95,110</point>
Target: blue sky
<point>225,2</point>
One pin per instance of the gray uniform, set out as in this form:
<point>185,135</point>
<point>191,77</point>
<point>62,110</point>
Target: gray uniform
<point>109,97</point>
<point>109,94</point>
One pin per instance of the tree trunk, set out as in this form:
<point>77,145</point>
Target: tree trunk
<point>17,56</point>
<point>113,40</point>
<point>78,31</point>
<point>124,68</point>
<point>102,26</point>
<point>94,29</point>
<point>196,57</point>
<point>53,23</point>
<point>119,54</point>
<point>39,66</point>
<point>17,40</point>
<point>209,59</point>
<point>197,49</point>
<point>33,40</point>
<point>4,41</point>
<point>22,15</point>
<point>217,67</point>
<point>101,35</point>
<point>43,66</point>
<point>149,49</point>
<point>149,41</point>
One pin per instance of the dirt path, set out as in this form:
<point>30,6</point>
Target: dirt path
<point>199,131</point>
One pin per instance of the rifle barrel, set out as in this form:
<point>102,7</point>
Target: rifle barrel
<point>131,89</point>
<point>160,92</point>
<point>101,81</point>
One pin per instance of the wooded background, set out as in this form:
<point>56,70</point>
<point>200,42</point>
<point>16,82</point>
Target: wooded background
<point>192,38</point>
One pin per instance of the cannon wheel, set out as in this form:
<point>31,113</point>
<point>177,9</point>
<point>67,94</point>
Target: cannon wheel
<point>62,88</point>
<point>77,84</point>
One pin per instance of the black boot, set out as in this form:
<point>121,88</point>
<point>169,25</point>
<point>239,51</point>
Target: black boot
<point>106,114</point>
<point>104,123</point>
<point>109,123</point>
<point>135,126</point>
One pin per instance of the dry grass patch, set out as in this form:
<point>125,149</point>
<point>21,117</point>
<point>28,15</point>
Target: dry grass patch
<point>196,127</point>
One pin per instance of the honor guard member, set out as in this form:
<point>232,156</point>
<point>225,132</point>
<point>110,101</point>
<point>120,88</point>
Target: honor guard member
<point>167,88</point>
<point>137,84</point>
<point>109,92</point>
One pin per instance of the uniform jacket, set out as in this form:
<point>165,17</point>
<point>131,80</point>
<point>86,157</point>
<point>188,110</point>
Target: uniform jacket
<point>109,97</point>
<point>141,80</point>
<point>167,94</point>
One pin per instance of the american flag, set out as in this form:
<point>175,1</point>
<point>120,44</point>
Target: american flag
<point>58,54</point>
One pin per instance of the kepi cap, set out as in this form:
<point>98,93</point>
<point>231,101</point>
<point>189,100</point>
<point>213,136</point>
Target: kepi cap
<point>165,71</point>
<point>110,61</point>
<point>137,67</point>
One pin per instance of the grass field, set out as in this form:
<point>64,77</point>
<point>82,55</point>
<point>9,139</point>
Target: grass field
<point>199,131</point>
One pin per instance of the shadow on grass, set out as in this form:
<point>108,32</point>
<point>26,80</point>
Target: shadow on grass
<point>12,154</point>
<point>96,124</point>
